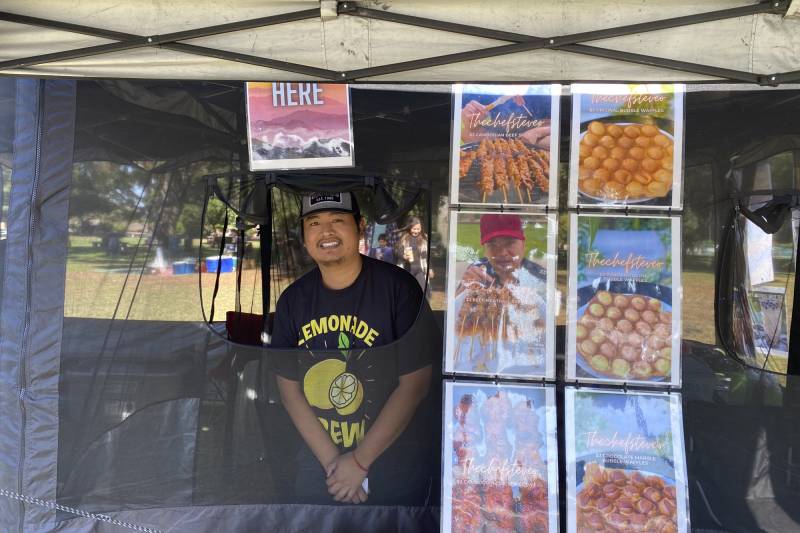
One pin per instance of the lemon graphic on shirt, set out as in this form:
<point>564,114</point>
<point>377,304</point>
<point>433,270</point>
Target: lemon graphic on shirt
<point>317,382</point>
<point>346,393</point>
<point>327,385</point>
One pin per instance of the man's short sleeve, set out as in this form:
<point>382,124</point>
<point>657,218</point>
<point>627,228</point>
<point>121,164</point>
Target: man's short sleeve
<point>284,362</point>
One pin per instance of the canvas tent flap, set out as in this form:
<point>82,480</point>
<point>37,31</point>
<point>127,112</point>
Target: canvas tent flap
<point>34,271</point>
<point>758,44</point>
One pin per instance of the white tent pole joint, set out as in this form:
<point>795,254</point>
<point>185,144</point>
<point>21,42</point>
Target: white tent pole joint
<point>328,9</point>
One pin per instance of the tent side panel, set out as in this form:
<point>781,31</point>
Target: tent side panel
<point>48,270</point>
<point>14,299</point>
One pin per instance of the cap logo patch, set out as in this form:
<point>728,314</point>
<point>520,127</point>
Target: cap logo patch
<point>319,198</point>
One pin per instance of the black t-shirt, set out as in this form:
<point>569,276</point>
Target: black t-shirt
<point>344,366</point>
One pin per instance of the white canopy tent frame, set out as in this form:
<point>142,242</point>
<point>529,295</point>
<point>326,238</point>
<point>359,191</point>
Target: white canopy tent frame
<point>741,41</point>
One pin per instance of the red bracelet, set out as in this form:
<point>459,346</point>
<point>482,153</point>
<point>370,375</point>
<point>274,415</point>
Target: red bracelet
<point>357,463</point>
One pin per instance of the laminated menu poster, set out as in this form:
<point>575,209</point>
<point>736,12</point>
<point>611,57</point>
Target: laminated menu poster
<point>626,146</point>
<point>626,468</point>
<point>501,294</point>
<point>624,304</point>
<point>501,145</point>
<point>500,459</point>
<point>298,125</point>
<point>770,326</point>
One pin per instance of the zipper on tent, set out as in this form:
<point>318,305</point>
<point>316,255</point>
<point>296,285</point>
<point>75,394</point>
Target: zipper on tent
<point>26,326</point>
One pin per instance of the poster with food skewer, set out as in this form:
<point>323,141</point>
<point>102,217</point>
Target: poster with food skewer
<point>626,146</point>
<point>626,468</point>
<point>624,304</point>
<point>500,459</point>
<point>500,317</point>
<point>502,147</point>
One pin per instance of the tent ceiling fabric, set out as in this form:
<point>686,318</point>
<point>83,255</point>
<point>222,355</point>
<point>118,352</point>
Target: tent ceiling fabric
<point>760,44</point>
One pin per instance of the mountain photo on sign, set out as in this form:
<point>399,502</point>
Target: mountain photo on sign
<point>299,125</point>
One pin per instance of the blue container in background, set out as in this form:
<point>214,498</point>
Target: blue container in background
<point>228,263</point>
<point>183,267</point>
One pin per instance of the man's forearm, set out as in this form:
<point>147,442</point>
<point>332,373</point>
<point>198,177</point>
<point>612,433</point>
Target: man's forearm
<point>306,422</point>
<point>395,415</point>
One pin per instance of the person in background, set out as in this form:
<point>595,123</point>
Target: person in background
<point>412,251</point>
<point>383,251</point>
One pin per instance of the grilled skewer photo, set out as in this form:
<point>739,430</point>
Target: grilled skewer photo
<point>493,166</point>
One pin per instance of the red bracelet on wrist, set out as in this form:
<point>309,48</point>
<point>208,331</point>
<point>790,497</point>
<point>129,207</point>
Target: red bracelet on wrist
<point>355,459</point>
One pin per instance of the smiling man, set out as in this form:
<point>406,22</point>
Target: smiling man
<point>354,406</point>
<point>504,258</point>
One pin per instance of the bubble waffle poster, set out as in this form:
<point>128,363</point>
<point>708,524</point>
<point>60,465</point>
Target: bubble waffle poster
<point>504,139</point>
<point>624,304</point>
<point>500,459</point>
<point>501,295</point>
<point>626,145</point>
<point>626,468</point>
<point>298,125</point>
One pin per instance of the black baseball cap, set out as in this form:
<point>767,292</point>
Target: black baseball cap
<point>343,202</point>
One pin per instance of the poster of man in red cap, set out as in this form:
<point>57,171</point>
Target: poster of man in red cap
<point>501,294</point>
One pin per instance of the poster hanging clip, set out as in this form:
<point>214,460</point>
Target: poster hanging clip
<point>625,387</point>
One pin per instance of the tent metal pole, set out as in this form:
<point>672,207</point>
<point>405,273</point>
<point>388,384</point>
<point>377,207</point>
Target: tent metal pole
<point>671,64</point>
<point>567,43</point>
<point>130,41</point>
<point>776,7</point>
<point>167,37</point>
<point>520,43</point>
<point>627,57</point>
<point>448,59</point>
<point>784,77</point>
<point>70,54</point>
<point>314,72</point>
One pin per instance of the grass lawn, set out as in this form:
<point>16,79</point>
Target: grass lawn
<point>96,279</point>
<point>98,283</point>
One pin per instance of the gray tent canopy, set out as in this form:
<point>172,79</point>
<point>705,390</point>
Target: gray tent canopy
<point>446,40</point>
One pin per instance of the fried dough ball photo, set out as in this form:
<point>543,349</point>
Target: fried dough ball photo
<point>632,314</point>
<point>625,336</point>
<point>604,297</point>
<point>643,151</point>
